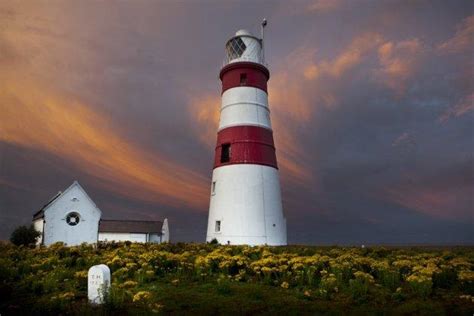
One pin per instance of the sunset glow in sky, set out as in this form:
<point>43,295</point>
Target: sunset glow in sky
<point>372,107</point>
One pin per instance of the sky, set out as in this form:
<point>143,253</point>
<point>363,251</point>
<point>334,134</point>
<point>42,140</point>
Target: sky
<point>372,107</point>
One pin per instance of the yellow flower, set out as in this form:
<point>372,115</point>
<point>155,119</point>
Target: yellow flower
<point>466,275</point>
<point>364,276</point>
<point>285,285</point>
<point>467,297</point>
<point>81,274</point>
<point>131,265</point>
<point>128,284</point>
<point>67,295</point>
<point>156,308</point>
<point>142,296</point>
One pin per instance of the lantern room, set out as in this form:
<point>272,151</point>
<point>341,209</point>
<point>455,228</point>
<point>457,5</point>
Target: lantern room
<point>244,47</point>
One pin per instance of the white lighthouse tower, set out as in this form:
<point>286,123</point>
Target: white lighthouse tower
<point>245,206</point>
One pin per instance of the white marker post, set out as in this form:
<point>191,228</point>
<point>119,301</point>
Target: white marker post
<point>98,283</point>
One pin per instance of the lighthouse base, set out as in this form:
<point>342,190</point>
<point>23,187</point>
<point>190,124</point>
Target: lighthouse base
<point>246,206</point>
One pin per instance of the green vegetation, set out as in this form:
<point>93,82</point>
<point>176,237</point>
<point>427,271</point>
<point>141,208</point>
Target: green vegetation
<point>214,279</point>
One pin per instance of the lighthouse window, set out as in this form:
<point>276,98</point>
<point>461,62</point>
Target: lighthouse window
<point>235,48</point>
<point>225,153</point>
<point>218,226</point>
<point>243,79</point>
<point>213,187</point>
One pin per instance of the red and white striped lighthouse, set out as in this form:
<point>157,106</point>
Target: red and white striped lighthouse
<point>245,206</point>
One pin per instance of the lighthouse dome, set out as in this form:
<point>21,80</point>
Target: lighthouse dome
<point>243,33</point>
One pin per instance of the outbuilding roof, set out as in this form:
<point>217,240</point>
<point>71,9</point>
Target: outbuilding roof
<point>129,226</point>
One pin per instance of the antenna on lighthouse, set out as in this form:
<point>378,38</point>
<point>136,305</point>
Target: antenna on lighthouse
<point>264,23</point>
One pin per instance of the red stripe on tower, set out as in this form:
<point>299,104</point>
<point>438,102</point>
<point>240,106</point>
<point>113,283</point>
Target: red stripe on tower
<point>245,145</point>
<point>245,74</point>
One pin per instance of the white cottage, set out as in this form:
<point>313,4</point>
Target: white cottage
<point>73,218</point>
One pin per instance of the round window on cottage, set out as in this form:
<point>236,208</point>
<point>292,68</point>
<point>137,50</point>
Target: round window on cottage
<point>73,219</point>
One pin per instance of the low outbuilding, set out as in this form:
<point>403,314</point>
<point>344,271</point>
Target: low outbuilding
<point>73,218</point>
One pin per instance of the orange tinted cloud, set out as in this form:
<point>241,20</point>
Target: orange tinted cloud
<point>291,110</point>
<point>35,117</point>
<point>311,72</point>
<point>346,60</point>
<point>205,111</point>
<point>398,62</point>
<point>439,202</point>
<point>463,39</point>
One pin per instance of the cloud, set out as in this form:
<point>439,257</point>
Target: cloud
<point>404,138</point>
<point>292,110</point>
<point>205,111</point>
<point>462,40</point>
<point>464,106</point>
<point>324,5</point>
<point>34,116</point>
<point>311,72</point>
<point>445,202</point>
<point>347,59</point>
<point>399,61</point>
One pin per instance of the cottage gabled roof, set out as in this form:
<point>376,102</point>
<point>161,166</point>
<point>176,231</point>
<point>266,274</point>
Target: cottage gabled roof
<point>40,213</point>
<point>127,226</point>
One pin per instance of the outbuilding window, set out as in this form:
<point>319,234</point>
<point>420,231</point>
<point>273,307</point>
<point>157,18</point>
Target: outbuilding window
<point>225,153</point>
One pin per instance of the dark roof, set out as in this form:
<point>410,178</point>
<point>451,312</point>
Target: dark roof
<point>40,213</point>
<point>125,226</point>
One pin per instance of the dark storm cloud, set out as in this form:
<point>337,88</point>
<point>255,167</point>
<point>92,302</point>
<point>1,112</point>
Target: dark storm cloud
<point>371,107</point>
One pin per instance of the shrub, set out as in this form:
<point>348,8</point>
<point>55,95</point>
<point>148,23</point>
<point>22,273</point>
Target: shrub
<point>24,236</point>
<point>214,242</point>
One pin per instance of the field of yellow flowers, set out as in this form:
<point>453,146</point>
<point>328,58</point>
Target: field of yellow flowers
<point>213,279</point>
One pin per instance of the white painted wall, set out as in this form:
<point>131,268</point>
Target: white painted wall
<point>135,237</point>
<point>247,201</point>
<point>165,231</point>
<point>244,106</point>
<point>74,199</point>
<point>38,225</point>
<point>154,238</point>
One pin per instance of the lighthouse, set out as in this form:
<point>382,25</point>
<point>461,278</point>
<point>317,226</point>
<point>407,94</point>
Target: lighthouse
<point>245,202</point>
